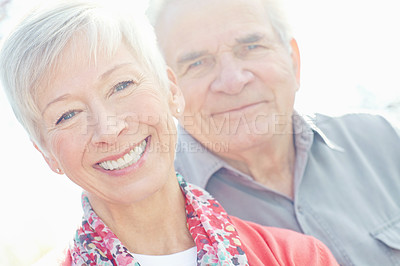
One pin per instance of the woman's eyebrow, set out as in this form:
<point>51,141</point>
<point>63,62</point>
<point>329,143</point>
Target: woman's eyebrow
<point>58,99</point>
<point>111,70</point>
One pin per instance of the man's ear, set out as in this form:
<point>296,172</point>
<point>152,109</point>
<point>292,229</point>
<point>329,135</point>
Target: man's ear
<point>296,60</point>
<point>51,162</point>
<point>176,100</point>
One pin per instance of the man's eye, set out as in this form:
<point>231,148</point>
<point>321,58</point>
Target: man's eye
<point>66,116</point>
<point>252,46</point>
<point>122,85</point>
<point>203,64</point>
<point>199,66</point>
<point>251,51</point>
<point>195,64</point>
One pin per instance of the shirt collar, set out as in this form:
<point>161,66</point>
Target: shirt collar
<point>194,161</point>
<point>307,125</point>
<point>198,164</point>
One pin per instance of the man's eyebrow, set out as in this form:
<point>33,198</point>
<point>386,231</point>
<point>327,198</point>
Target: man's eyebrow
<point>254,37</point>
<point>191,56</point>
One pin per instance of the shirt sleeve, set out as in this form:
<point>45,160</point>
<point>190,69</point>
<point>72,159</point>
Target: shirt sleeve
<point>276,246</point>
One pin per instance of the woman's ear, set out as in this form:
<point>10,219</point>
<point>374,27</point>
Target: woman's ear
<point>176,100</point>
<point>51,162</point>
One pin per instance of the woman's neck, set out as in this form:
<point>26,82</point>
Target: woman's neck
<point>154,226</point>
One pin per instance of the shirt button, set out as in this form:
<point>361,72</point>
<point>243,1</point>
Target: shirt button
<point>300,209</point>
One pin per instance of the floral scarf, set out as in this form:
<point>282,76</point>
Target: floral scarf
<point>216,238</point>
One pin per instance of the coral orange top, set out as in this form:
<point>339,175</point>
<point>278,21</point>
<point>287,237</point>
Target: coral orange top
<point>277,246</point>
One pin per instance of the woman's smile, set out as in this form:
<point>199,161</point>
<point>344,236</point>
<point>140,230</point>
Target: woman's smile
<point>128,159</point>
<point>128,163</point>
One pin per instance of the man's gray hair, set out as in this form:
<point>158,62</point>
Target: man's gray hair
<point>29,56</point>
<point>273,8</point>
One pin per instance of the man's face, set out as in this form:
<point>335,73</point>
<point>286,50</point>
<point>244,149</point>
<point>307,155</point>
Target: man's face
<point>238,79</point>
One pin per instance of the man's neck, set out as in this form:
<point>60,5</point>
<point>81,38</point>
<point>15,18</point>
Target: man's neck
<point>271,164</point>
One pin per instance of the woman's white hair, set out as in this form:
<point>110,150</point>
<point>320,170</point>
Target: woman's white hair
<point>30,54</point>
<point>273,8</point>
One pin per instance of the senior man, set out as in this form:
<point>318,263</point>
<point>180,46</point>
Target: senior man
<point>238,66</point>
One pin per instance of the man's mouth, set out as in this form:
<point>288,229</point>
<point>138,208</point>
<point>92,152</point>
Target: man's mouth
<point>237,109</point>
<point>127,159</point>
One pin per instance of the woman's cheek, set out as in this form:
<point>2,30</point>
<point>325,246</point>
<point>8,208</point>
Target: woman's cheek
<point>64,143</point>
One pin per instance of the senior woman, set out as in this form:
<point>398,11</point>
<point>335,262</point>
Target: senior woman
<point>88,84</point>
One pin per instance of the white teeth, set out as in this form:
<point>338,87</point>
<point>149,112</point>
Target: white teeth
<point>105,166</point>
<point>128,159</point>
<point>137,149</point>
<point>135,157</point>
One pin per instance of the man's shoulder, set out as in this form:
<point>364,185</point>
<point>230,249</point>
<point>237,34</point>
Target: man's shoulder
<point>356,123</point>
<point>369,133</point>
<point>358,118</point>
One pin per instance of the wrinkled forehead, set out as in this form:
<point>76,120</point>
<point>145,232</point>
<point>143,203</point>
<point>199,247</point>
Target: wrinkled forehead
<point>198,25</point>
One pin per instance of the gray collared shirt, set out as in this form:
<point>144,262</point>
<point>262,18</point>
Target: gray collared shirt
<point>347,186</point>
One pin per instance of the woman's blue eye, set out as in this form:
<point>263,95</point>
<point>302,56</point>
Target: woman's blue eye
<point>122,85</point>
<point>66,116</point>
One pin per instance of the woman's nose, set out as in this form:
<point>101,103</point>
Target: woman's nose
<point>108,126</point>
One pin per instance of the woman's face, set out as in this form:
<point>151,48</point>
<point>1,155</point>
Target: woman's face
<point>108,126</point>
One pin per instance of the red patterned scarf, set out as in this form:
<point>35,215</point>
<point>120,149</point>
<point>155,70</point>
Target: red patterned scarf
<point>216,238</point>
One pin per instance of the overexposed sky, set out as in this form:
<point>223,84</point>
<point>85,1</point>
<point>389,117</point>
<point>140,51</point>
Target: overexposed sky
<point>350,59</point>
<point>350,53</point>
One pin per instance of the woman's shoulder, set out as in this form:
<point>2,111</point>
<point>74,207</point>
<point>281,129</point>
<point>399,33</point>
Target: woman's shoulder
<point>276,246</point>
<point>57,256</point>
<point>66,259</point>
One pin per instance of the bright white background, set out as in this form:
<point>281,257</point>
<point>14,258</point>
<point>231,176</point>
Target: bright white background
<point>350,61</point>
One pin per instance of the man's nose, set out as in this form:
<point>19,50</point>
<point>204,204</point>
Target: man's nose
<point>232,76</point>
